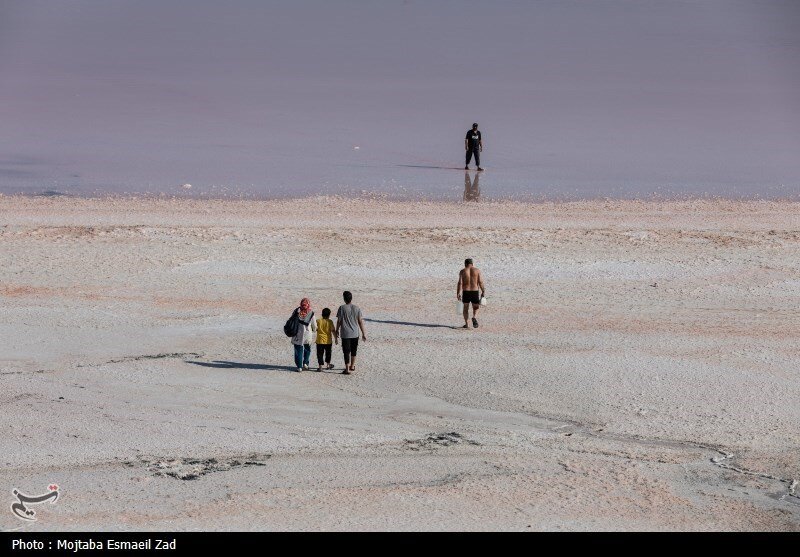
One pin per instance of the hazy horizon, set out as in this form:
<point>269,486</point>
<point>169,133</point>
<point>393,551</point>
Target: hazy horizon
<point>576,99</point>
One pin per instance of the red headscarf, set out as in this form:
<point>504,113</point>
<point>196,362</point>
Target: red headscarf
<point>305,307</point>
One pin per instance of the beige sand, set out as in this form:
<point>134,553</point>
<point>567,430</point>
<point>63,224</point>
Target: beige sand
<point>637,366</point>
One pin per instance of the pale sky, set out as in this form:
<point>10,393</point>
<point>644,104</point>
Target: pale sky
<point>270,98</point>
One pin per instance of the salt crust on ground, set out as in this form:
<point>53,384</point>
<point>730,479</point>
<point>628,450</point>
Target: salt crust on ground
<point>636,367</point>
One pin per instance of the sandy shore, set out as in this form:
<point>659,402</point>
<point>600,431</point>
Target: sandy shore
<point>637,366</point>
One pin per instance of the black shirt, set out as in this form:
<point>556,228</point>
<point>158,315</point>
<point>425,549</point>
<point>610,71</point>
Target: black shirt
<point>473,139</point>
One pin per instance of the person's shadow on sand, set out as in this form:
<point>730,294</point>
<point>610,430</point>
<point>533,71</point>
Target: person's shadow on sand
<point>411,324</point>
<point>239,365</point>
<point>222,364</point>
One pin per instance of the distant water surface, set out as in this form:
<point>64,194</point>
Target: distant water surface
<point>274,99</point>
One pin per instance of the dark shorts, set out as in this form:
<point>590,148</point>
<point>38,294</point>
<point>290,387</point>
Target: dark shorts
<point>471,296</point>
<point>350,347</point>
<point>324,353</point>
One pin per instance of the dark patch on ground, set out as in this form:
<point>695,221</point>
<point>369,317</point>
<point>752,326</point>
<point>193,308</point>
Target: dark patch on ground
<point>148,357</point>
<point>436,440</point>
<point>21,372</point>
<point>192,468</point>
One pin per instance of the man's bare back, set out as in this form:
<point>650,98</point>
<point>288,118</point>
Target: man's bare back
<point>470,278</point>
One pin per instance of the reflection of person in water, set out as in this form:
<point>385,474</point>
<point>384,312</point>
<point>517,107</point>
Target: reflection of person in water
<point>472,188</point>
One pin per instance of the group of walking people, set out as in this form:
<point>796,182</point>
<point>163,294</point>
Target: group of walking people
<point>349,322</point>
<point>305,330</point>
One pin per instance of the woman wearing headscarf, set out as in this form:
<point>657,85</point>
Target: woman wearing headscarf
<point>305,335</point>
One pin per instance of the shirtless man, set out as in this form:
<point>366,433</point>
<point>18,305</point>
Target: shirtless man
<point>469,280</point>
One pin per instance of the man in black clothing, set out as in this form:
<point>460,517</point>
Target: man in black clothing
<point>474,145</point>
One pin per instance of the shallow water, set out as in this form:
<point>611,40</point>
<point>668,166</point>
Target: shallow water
<point>575,100</point>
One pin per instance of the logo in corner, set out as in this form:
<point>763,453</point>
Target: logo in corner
<point>22,511</point>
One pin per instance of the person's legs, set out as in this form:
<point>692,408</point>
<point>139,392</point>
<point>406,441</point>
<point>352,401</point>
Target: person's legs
<point>346,352</point>
<point>475,308</point>
<point>320,354</point>
<point>353,352</point>
<point>469,157</point>
<point>298,356</point>
<point>328,351</point>
<point>469,297</point>
<point>306,355</point>
<point>478,158</point>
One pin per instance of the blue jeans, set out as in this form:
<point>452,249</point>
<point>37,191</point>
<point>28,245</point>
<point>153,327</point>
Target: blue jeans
<point>302,354</point>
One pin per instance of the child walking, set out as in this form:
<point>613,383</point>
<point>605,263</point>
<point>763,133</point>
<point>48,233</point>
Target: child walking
<point>325,334</point>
